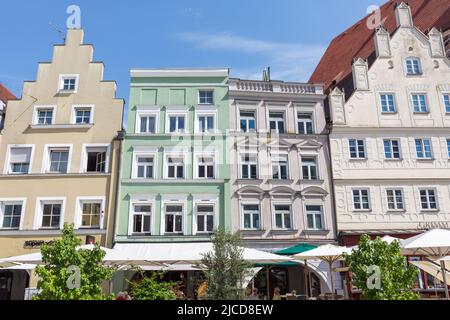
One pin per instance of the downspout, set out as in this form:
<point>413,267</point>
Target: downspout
<point>120,137</point>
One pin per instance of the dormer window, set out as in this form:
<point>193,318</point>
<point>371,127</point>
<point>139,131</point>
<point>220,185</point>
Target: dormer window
<point>413,66</point>
<point>68,83</point>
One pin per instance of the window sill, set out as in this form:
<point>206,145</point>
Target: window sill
<point>362,211</point>
<point>394,160</point>
<point>396,211</point>
<point>283,231</point>
<point>358,159</point>
<point>61,126</point>
<point>249,181</point>
<point>389,113</point>
<point>321,232</point>
<point>280,181</point>
<point>421,113</point>
<point>304,181</point>
<point>429,210</point>
<point>425,159</point>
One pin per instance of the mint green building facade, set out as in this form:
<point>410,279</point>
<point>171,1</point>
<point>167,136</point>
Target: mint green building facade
<point>175,175</point>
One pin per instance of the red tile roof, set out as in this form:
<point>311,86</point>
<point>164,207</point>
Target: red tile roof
<point>5,95</point>
<point>357,41</point>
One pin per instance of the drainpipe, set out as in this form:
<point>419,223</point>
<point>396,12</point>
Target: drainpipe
<point>120,137</point>
<point>333,194</point>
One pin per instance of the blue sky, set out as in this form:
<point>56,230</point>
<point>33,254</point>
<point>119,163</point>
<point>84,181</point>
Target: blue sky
<point>246,35</point>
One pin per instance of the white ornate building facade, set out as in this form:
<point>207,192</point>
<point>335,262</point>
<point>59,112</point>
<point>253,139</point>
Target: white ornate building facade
<point>390,137</point>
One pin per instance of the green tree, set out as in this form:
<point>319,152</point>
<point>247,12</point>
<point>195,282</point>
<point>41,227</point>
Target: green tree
<point>225,268</point>
<point>58,278</point>
<point>149,288</point>
<point>380,271</point>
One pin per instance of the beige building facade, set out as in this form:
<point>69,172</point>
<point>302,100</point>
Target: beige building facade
<point>59,153</point>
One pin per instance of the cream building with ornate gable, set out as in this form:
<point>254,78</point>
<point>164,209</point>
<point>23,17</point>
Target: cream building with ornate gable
<point>390,137</point>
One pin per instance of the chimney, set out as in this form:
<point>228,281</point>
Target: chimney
<point>403,16</point>
<point>360,77</point>
<point>382,43</point>
<point>436,43</point>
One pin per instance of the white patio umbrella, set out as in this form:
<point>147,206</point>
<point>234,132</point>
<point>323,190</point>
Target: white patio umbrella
<point>328,253</point>
<point>434,244</point>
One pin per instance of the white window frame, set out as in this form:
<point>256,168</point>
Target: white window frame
<point>46,161</point>
<point>316,164</point>
<point>144,111</point>
<point>272,164</point>
<point>436,195</point>
<point>420,71</point>
<point>277,121</point>
<point>62,77</point>
<point>7,167</point>
<point>206,200</point>
<point>250,203</point>
<point>354,209</point>
<point>423,149</point>
<point>298,121</point>
<point>36,110</point>
<point>255,117</point>
<point>214,154</point>
<point>144,200</point>
<point>177,153</point>
<point>381,102</point>
<point>40,202</point>
<point>83,168</point>
<point>392,149</point>
<point>12,201</point>
<point>206,90</point>
<point>322,216</point>
<point>144,152</point>
<point>177,112</point>
<point>396,209</point>
<point>79,211</point>
<point>427,104</point>
<point>357,149</point>
<point>75,108</point>
<point>206,112</point>
<point>241,163</point>
<point>274,213</point>
<point>175,200</point>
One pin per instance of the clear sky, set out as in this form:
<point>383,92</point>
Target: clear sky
<point>244,35</point>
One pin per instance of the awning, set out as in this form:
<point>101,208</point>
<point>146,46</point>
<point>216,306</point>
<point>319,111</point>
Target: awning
<point>299,248</point>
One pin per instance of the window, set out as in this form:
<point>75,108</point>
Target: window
<point>428,199</point>
<point>142,217</point>
<point>96,159</point>
<point>423,149</point>
<point>249,166</point>
<point>11,213</point>
<point>68,83</point>
<point>83,115</point>
<point>248,121</point>
<point>413,66</point>
<point>175,168</point>
<point>206,168</point>
<point>314,217</point>
<point>276,122</point>
<point>447,102</point>
<point>305,123</point>
<point>419,103</point>
<point>144,165</point>
<point>51,215</point>
<point>206,97</point>
<point>206,123</point>
<point>44,116</point>
<point>283,218</point>
<point>147,124</point>
<point>448,147</point>
<point>361,199</point>
<point>174,219</point>
<point>392,149</point>
<point>309,168</point>
<point>59,160</point>
<point>251,215</point>
<point>205,218</point>
<point>280,167</point>
<point>357,149</point>
<point>91,214</point>
<point>19,160</point>
<point>177,124</point>
<point>387,103</point>
<point>395,199</point>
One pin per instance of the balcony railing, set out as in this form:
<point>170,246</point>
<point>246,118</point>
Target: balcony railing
<point>275,87</point>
